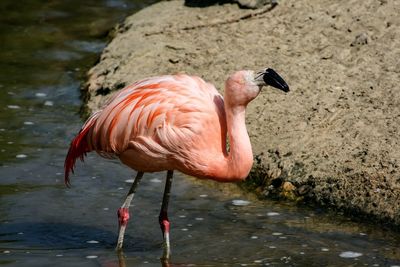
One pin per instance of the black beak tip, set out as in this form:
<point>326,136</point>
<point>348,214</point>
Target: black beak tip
<point>273,79</point>
<point>285,88</point>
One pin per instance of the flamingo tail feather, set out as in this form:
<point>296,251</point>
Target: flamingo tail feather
<point>78,149</point>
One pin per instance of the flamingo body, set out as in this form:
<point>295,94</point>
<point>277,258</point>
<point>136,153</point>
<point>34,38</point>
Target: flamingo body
<point>169,122</point>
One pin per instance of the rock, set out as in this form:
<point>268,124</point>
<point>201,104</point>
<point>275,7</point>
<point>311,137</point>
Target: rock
<point>303,190</point>
<point>288,191</point>
<point>335,135</point>
<point>288,187</point>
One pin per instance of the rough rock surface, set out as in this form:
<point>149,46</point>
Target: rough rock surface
<point>335,136</point>
<point>254,3</point>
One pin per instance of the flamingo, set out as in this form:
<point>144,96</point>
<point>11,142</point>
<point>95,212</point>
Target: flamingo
<point>174,122</point>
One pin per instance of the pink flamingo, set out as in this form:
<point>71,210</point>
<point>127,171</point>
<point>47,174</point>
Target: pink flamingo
<point>174,122</point>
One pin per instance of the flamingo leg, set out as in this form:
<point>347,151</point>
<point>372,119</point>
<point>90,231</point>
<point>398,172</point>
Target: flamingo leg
<point>163,218</point>
<point>123,212</point>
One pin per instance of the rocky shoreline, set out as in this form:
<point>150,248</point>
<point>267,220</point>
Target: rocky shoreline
<point>334,140</point>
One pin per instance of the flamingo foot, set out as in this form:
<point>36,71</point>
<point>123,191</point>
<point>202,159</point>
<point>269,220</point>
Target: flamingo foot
<point>123,218</point>
<point>165,226</point>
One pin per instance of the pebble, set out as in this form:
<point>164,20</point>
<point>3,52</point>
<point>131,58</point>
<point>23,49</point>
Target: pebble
<point>13,107</point>
<point>276,234</point>
<point>288,187</point>
<point>350,254</point>
<point>21,156</point>
<point>40,95</point>
<point>91,257</point>
<point>28,123</point>
<point>240,202</point>
<point>272,213</point>
<point>92,242</point>
<point>49,103</point>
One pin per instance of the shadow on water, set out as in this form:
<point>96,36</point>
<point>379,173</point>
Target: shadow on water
<point>54,236</point>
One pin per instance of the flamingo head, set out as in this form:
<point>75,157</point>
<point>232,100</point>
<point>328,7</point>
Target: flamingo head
<point>270,77</point>
<point>243,86</point>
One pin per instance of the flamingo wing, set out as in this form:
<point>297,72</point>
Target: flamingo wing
<point>158,123</point>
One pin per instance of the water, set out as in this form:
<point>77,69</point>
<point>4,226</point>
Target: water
<point>45,49</point>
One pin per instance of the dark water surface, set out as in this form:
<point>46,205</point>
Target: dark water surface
<point>45,49</point>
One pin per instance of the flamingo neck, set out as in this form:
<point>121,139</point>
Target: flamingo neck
<point>240,156</point>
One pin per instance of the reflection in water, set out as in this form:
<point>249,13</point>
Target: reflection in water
<point>163,262</point>
<point>46,48</point>
<point>121,259</point>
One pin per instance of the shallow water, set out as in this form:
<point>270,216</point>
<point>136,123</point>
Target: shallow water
<point>45,49</point>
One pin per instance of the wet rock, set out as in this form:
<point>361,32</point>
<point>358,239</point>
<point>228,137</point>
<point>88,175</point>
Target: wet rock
<point>303,189</point>
<point>288,187</point>
<point>288,191</point>
<point>277,182</point>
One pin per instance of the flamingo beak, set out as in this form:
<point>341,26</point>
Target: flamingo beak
<point>270,77</point>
